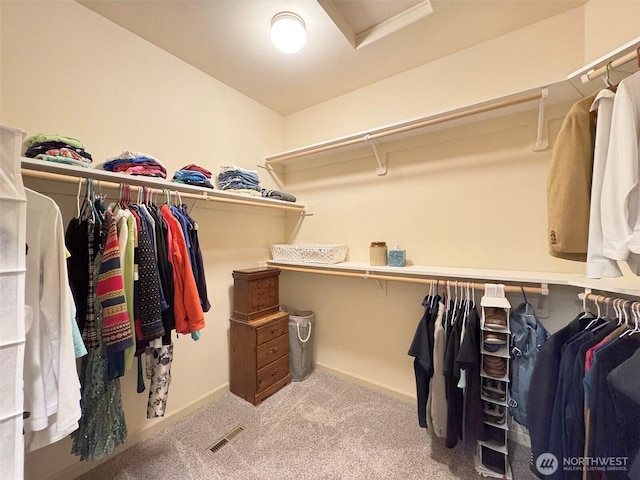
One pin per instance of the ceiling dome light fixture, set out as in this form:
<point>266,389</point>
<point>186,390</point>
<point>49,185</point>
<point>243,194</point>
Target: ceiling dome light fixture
<point>288,32</point>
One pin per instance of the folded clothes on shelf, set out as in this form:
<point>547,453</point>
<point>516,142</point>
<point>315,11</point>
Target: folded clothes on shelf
<point>197,168</point>
<point>240,180</point>
<point>286,197</point>
<point>135,163</point>
<point>244,191</point>
<point>232,177</point>
<point>191,177</point>
<point>45,138</point>
<point>57,149</point>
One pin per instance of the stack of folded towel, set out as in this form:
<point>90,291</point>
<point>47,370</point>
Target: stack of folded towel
<point>193,175</point>
<point>135,163</point>
<point>59,149</point>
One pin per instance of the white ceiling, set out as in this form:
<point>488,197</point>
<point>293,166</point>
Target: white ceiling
<point>229,39</point>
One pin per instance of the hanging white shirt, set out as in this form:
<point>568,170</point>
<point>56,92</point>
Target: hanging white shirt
<point>599,266</point>
<point>620,200</point>
<point>51,385</point>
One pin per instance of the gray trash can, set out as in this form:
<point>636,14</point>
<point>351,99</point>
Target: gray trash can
<point>301,331</point>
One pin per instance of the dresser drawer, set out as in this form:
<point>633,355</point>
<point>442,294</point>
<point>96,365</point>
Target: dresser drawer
<point>271,331</point>
<point>272,350</point>
<point>273,372</point>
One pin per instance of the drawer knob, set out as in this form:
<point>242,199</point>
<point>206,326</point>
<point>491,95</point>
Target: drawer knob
<point>274,349</point>
<point>275,370</point>
<point>274,329</point>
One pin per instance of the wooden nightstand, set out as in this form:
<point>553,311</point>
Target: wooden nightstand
<point>259,354</point>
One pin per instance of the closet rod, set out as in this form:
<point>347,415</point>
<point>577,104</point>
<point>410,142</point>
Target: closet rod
<point>598,72</point>
<point>595,298</point>
<point>204,196</point>
<point>396,278</point>
<point>405,127</point>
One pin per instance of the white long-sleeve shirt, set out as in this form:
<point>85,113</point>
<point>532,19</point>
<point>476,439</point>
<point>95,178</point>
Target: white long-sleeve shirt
<point>51,385</point>
<point>599,266</point>
<point>620,202</point>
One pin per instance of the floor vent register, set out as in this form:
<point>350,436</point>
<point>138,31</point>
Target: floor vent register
<point>226,438</point>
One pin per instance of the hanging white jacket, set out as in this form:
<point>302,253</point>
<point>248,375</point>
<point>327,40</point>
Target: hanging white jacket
<point>620,189</point>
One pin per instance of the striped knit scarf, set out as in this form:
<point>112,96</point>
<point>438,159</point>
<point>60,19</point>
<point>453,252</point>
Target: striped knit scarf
<point>116,331</point>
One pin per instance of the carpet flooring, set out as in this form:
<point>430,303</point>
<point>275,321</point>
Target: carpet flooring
<point>322,428</point>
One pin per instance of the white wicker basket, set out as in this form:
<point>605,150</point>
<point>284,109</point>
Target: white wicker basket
<point>312,253</point>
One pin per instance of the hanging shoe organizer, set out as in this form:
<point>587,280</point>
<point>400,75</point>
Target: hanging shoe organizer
<point>492,456</point>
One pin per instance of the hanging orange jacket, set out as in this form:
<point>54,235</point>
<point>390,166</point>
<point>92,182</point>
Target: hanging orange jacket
<point>186,302</point>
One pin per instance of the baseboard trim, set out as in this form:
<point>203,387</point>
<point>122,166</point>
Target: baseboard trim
<point>368,383</point>
<point>81,468</point>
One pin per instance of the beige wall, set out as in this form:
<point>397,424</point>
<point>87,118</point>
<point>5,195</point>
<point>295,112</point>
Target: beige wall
<point>114,91</point>
<point>527,58</point>
<point>470,197</point>
<point>473,196</point>
<point>609,24</point>
<point>467,197</point>
<point>67,70</point>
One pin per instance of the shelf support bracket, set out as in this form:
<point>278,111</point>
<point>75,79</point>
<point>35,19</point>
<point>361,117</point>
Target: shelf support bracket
<point>542,135</point>
<point>381,157</point>
<point>542,309</point>
<point>382,284</point>
<point>382,288</point>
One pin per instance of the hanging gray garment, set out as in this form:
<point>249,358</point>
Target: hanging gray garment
<point>437,403</point>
